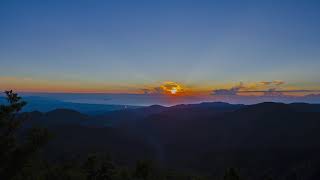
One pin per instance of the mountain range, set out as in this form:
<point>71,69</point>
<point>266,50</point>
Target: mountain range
<point>46,104</point>
<point>194,137</point>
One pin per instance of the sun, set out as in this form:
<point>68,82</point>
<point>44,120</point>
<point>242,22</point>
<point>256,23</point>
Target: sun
<point>173,90</point>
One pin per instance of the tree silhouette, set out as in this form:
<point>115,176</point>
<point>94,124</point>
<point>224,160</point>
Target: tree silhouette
<point>231,174</point>
<point>106,170</point>
<point>91,167</point>
<point>16,152</point>
<point>143,169</point>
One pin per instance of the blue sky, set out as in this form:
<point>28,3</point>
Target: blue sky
<point>132,44</point>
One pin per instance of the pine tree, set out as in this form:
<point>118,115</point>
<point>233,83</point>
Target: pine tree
<point>143,169</point>
<point>14,153</point>
<point>231,174</point>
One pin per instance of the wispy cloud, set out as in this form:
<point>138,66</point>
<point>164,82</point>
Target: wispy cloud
<point>275,82</point>
<point>267,88</point>
<point>228,92</point>
<point>146,91</point>
<point>282,91</point>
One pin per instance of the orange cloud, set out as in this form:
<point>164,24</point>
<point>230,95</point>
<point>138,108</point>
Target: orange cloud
<point>275,82</point>
<point>266,87</point>
<point>172,88</point>
<point>168,87</point>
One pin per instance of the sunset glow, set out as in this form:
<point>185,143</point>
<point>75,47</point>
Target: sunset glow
<point>172,88</point>
<point>173,91</point>
<point>208,50</point>
<point>159,89</point>
<point>169,88</point>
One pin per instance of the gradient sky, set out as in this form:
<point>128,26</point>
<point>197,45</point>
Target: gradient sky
<point>125,45</point>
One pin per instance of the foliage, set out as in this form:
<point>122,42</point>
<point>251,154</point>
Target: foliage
<point>231,174</point>
<point>16,152</point>
<point>143,170</point>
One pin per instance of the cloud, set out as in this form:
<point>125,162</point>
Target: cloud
<point>251,88</point>
<point>165,88</point>
<point>281,91</point>
<point>146,91</point>
<point>272,92</point>
<point>225,92</point>
<point>158,90</point>
<point>278,82</point>
<point>266,83</point>
<point>169,86</point>
<point>275,82</point>
<point>228,92</point>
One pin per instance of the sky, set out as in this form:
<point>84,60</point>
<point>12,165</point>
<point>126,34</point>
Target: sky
<point>189,47</point>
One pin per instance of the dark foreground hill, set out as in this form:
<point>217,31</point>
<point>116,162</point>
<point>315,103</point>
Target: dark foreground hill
<point>204,138</point>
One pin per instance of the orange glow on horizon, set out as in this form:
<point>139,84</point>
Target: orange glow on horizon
<point>169,88</point>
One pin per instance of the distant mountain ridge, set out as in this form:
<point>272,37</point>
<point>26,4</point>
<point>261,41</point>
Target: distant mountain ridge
<point>194,136</point>
<point>43,104</point>
<point>118,116</point>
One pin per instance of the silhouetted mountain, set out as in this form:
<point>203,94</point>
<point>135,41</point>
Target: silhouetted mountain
<point>55,117</point>
<point>209,105</point>
<point>125,117</point>
<point>304,107</point>
<point>267,130</point>
<point>43,104</point>
<point>234,127</point>
<point>195,137</point>
<point>76,140</point>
